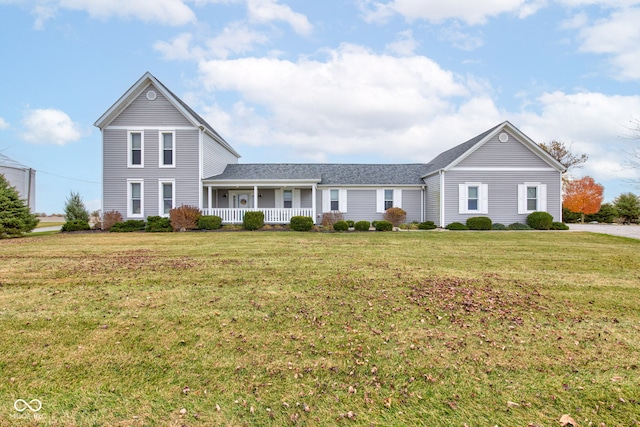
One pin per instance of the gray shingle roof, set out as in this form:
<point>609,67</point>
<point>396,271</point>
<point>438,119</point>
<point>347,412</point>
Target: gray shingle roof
<point>328,174</point>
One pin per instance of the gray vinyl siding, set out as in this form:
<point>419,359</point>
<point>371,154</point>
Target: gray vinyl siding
<point>159,112</point>
<point>411,200</point>
<point>215,157</point>
<point>268,199</point>
<point>306,198</point>
<point>506,154</point>
<point>432,209</point>
<point>503,194</point>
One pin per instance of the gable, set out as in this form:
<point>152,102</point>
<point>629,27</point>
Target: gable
<point>511,153</point>
<point>146,111</point>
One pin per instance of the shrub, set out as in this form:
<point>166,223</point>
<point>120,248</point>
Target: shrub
<point>351,223</point>
<point>74,208</point>
<point>427,225</point>
<point>362,226</point>
<point>518,226</point>
<point>395,216</point>
<point>253,220</point>
<point>157,224</point>
<point>456,226</point>
<point>628,207</point>
<point>301,223</point>
<point>479,223</point>
<point>498,226</point>
<point>607,214</point>
<point>341,226</point>
<point>110,218</point>
<point>209,222</point>
<point>330,218</point>
<point>540,220</point>
<point>384,226</point>
<point>184,218</point>
<point>76,225</point>
<point>374,223</point>
<point>559,226</point>
<point>570,217</point>
<point>128,226</point>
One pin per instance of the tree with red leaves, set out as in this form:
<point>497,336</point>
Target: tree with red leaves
<point>583,196</point>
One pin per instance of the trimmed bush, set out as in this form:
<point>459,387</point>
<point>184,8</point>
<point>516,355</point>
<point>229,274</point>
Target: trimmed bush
<point>362,226</point>
<point>518,226</point>
<point>184,218</point>
<point>456,226</point>
<point>341,226</point>
<point>253,220</point>
<point>110,218</point>
<point>479,223</point>
<point>209,222</point>
<point>498,226</point>
<point>128,226</point>
<point>351,223</point>
<point>540,220</point>
<point>395,216</point>
<point>76,225</point>
<point>374,223</point>
<point>383,226</point>
<point>427,225</point>
<point>559,226</point>
<point>158,224</point>
<point>330,218</point>
<point>301,223</point>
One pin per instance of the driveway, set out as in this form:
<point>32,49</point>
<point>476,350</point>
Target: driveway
<point>632,231</point>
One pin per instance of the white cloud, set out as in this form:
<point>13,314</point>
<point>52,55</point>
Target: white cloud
<point>235,38</point>
<point>50,126</point>
<point>3,124</point>
<point>265,11</point>
<point>461,40</point>
<point>179,49</point>
<point>405,44</point>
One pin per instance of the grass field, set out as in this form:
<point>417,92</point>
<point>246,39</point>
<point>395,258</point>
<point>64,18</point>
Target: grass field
<point>285,328</point>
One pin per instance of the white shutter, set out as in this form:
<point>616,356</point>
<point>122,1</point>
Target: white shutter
<point>296,198</point>
<point>397,198</point>
<point>522,199</point>
<point>380,200</point>
<point>343,200</point>
<point>542,202</point>
<point>326,201</point>
<point>484,198</point>
<point>279,198</point>
<point>462,198</point>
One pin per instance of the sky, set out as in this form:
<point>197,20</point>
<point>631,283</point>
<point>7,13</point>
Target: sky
<point>339,81</point>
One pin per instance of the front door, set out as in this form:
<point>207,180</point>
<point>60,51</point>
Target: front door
<point>241,199</point>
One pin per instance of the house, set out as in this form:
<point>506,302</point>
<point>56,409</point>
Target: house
<point>22,177</point>
<point>159,154</point>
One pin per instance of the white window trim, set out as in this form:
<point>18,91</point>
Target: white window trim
<point>130,213</point>
<point>342,200</point>
<point>130,149</point>
<point>483,198</point>
<point>522,197</point>
<point>161,149</point>
<point>397,198</point>
<point>161,196</point>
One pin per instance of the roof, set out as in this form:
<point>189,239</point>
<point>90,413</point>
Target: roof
<point>10,163</point>
<point>327,174</point>
<point>187,111</point>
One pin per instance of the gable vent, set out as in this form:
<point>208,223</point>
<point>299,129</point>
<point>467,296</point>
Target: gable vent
<point>151,95</point>
<point>503,137</point>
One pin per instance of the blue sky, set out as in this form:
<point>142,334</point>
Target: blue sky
<point>360,81</point>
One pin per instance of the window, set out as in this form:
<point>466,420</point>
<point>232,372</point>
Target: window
<point>167,149</point>
<point>388,199</point>
<point>335,200</point>
<point>532,196</point>
<point>287,199</point>
<point>167,196</point>
<point>136,149</point>
<point>473,198</point>
<point>135,199</point>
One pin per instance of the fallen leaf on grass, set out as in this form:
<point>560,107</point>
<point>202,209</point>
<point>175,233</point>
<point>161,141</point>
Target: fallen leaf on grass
<point>511,404</point>
<point>566,420</point>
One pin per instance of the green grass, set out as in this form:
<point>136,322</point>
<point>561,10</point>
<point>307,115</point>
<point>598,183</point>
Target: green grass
<point>284,328</point>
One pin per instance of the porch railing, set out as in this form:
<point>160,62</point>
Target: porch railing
<point>271,216</point>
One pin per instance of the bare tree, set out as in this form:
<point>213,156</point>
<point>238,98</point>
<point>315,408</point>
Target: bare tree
<point>633,156</point>
<point>563,154</point>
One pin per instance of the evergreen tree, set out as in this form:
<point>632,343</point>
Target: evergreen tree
<point>628,207</point>
<point>15,216</point>
<point>74,209</point>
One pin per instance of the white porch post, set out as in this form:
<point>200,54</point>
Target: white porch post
<point>255,196</point>
<point>313,202</point>
<point>209,195</point>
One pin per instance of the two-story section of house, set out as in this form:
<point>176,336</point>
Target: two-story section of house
<point>156,150</point>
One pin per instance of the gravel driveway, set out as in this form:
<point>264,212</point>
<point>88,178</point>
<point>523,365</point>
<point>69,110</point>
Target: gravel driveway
<point>632,231</point>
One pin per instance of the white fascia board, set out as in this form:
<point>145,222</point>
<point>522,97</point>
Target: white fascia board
<point>259,183</point>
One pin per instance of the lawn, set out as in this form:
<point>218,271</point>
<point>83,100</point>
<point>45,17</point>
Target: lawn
<point>286,328</point>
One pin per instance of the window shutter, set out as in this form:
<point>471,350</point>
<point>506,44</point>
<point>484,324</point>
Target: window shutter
<point>343,200</point>
<point>380,200</point>
<point>326,201</point>
<point>542,203</point>
<point>522,199</point>
<point>484,198</point>
<point>462,198</point>
<point>397,198</point>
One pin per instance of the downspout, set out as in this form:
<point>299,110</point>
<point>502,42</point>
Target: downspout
<point>422,201</point>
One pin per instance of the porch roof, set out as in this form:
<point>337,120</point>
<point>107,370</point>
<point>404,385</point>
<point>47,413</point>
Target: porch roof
<point>327,174</point>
